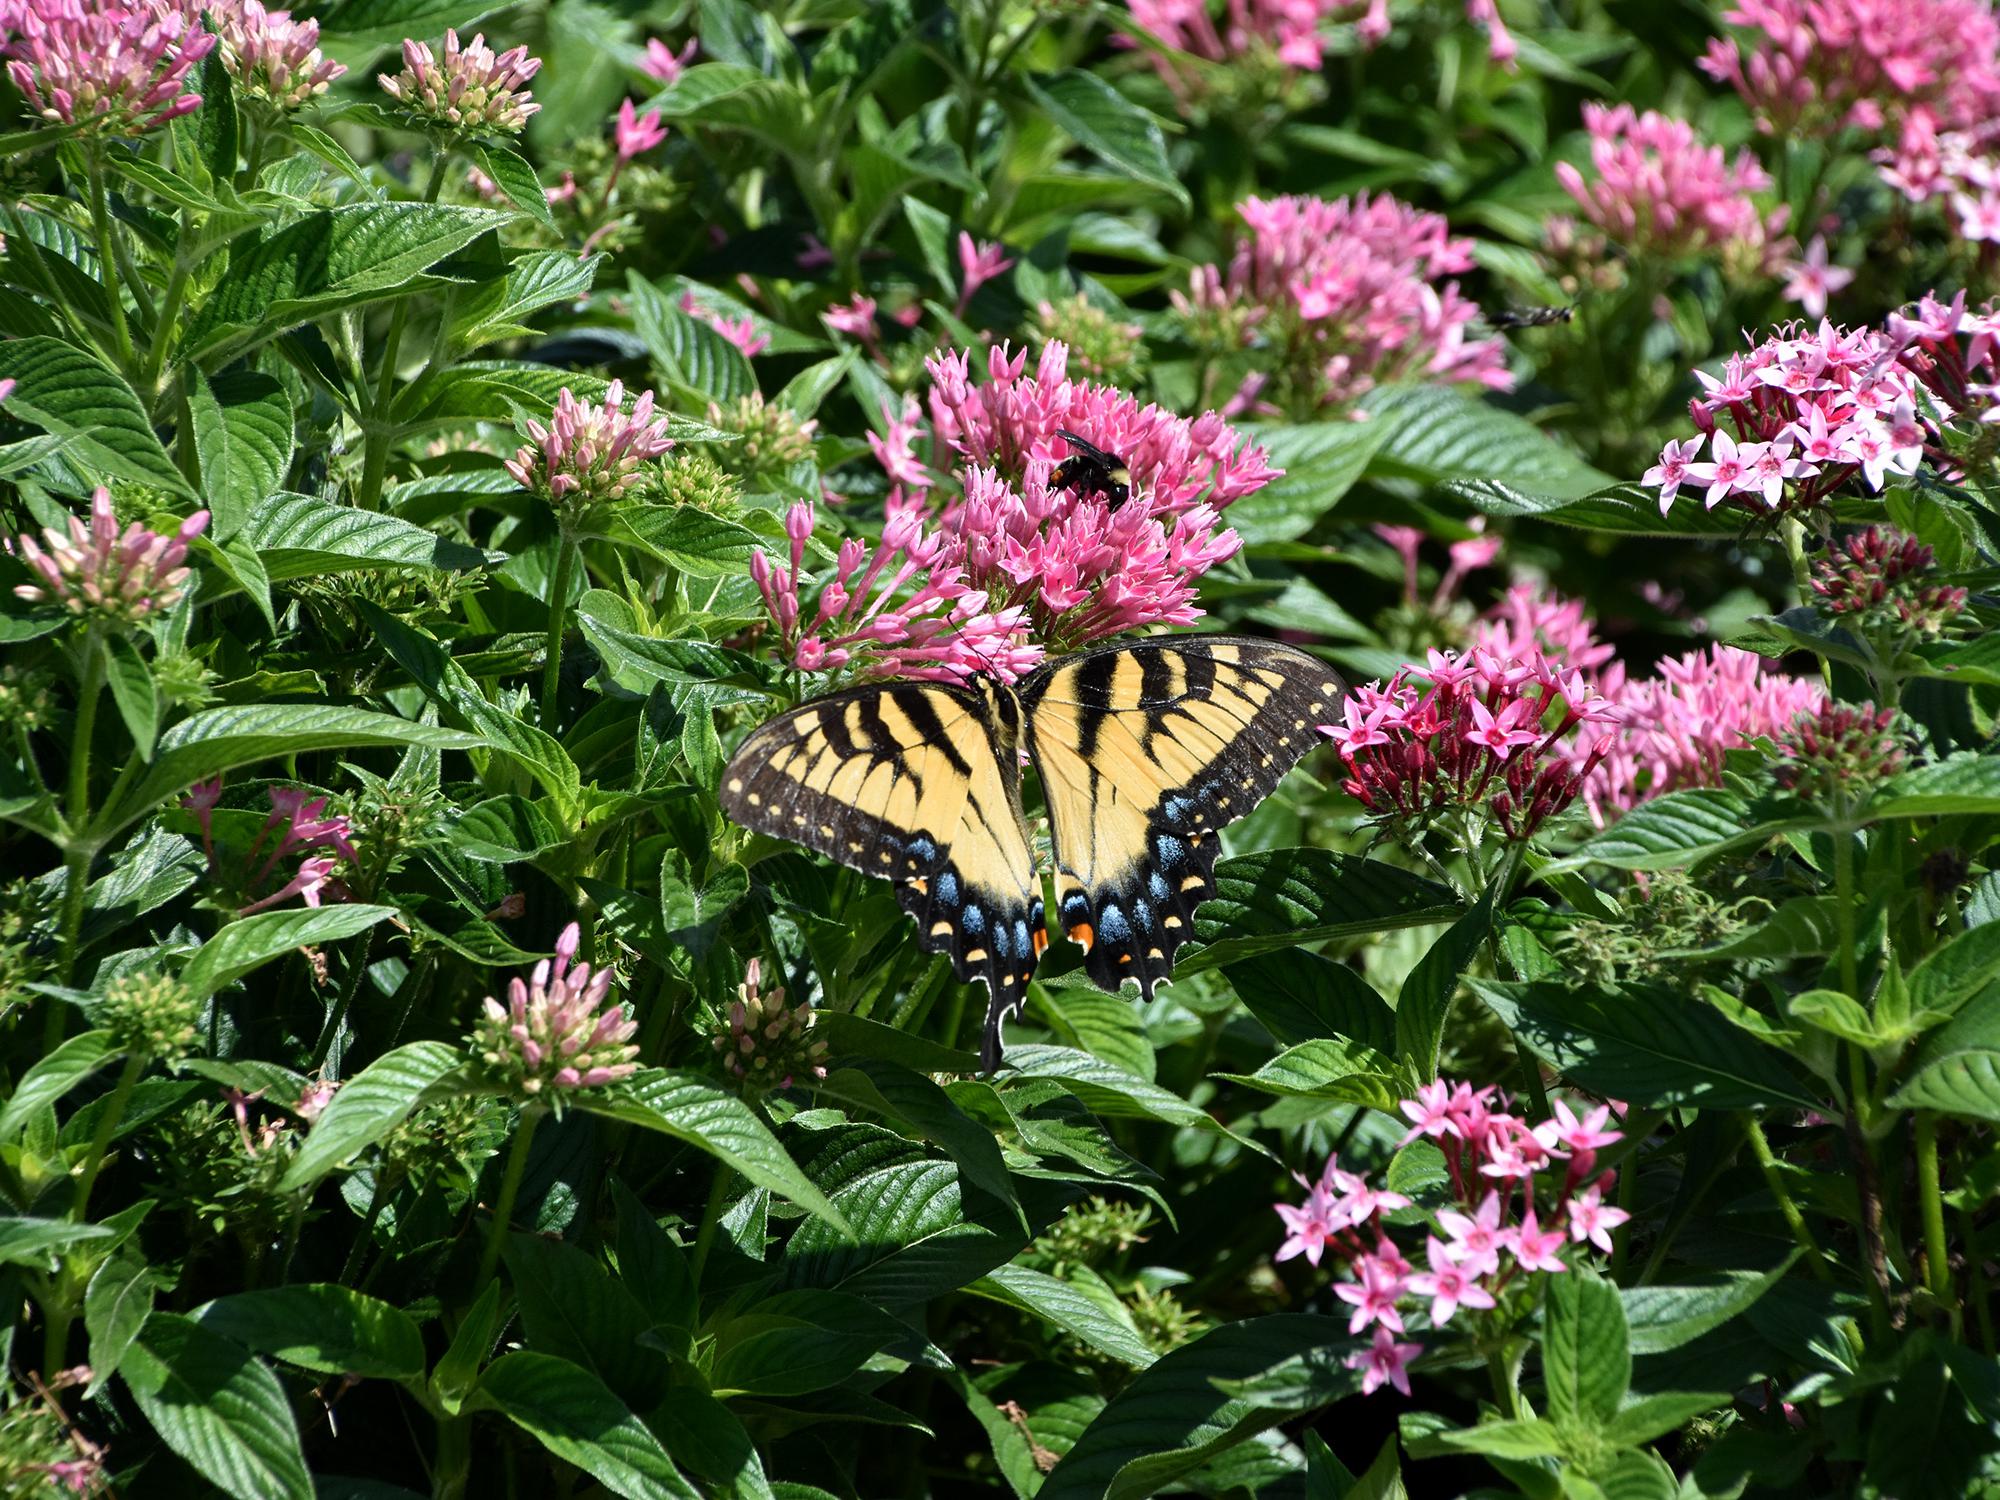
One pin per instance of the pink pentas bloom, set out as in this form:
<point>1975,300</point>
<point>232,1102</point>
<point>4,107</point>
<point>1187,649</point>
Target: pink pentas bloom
<point>855,318</point>
<point>1449,1283</point>
<point>1577,1139</point>
<point>895,447</point>
<point>742,332</point>
<point>1384,1362</point>
<point>200,800</point>
<point>1657,189</point>
<point>1477,1238</point>
<point>1591,1220</point>
<point>118,65</point>
<point>296,819</point>
<point>1374,1295</point>
<point>1357,1200</point>
<point>553,1035</point>
<point>1811,281</point>
<point>271,56</point>
<point>1536,1248</point>
<point>1309,1227</point>
<point>471,88</point>
<point>977,265</point>
<point>634,134</point>
<point>768,1042</point>
<point>1342,295</point>
<point>1287,30</point>
<point>315,872</point>
<point>97,570</point>
<point>665,64</point>
<point>590,451</point>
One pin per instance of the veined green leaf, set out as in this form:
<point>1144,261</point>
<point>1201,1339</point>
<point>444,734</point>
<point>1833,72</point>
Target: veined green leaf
<point>216,1406</point>
<point>370,1105</point>
<point>250,942</point>
<point>303,536</point>
<point>72,395</point>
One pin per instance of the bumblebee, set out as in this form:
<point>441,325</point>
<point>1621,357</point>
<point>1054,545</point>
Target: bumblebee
<point>1092,471</point>
<point>1529,317</point>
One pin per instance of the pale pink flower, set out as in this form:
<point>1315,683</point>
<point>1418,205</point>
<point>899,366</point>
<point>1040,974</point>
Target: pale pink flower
<point>634,134</point>
<point>121,65</point>
<point>7,387</point>
<point>1578,1139</point>
<point>589,451</point>
<point>313,1100</point>
<point>1448,1283</point>
<point>1657,188</point>
<point>1308,1228</point>
<point>1373,1295</point>
<point>1384,1362</point>
<point>977,265</point>
<point>1476,1238</point>
<point>855,318</point>
<point>551,1036</point>
<point>98,570</point>
<point>665,64</point>
<point>1535,1248</point>
<point>1431,1109</point>
<point>895,448</point>
<point>1592,1220</point>
<point>472,88</point>
<point>295,817</point>
<point>1672,469</point>
<point>1811,281</point>
<point>742,332</point>
<point>1356,1200</point>
<point>271,56</point>
<point>768,1042</point>
<point>314,874</point>
<point>1287,30</point>
<point>201,800</point>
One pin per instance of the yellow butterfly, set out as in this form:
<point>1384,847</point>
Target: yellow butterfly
<point>1144,751</point>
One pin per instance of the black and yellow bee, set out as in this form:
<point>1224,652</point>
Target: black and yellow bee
<point>1092,471</point>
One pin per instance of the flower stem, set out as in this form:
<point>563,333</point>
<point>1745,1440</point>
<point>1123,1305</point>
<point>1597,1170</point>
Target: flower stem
<point>510,1189</point>
<point>1505,1374</point>
<point>349,988</point>
<point>107,1126</point>
<point>107,263</point>
<point>711,1216</point>
<point>163,329</point>
<point>566,556</point>
<point>78,848</point>
<point>1930,1203</point>
<point>375,455</point>
<point>1775,1181</point>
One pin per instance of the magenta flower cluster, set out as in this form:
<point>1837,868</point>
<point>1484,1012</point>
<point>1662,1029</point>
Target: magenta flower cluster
<point>270,55</point>
<point>1503,1228</point>
<point>1473,734</point>
<point>119,65</point>
<point>1656,188</point>
<point>1804,412</point>
<point>590,451</point>
<point>552,1036</point>
<point>1288,30</point>
<point>98,570</point>
<point>1347,294</point>
<point>298,820</point>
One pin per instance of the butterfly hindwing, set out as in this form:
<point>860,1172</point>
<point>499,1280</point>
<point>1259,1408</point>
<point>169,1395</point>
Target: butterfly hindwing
<point>917,783</point>
<point>1145,752</point>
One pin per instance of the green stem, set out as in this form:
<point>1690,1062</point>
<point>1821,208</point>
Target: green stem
<point>1775,1181</point>
<point>1843,914</point>
<point>79,849</point>
<point>107,1126</point>
<point>163,327</point>
<point>1506,1375</point>
<point>350,987</point>
<point>711,1216</point>
<point>107,262</point>
<point>510,1189</point>
<point>375,456</point>
<point>1976,1291</point>
<point>566,556</point>
<point>1930,1203</point>
<point>385,1179</point>
<point>89,689</point>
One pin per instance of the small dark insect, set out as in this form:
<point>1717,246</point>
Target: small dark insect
<point>1092,471</point>
<point>1530,317</point>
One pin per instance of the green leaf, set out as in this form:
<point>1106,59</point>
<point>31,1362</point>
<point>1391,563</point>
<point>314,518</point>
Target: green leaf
<point>303,536</point>
<point>497,309</point>
<point>250,942</point>
<point>1678,829</point>
<point>1532,1438</point>
<point>132,690</point>
<point>574,1415</point>
<point>1425,999</point>
<point>116,1305</point>
<point>321,1327</point>
<point>1962,784</point>
<point>243,436</point>
<point>1342,1071</point>
<point>457,1371</point>
<point>1321,463</point>
<point>571,1307</point>
<point>324,262</point>
<point>30,1242</point>
<point>653,1269</point>
<point>504,831</point>
<point>1619,509</point>
<point>70,394</point>
<point>218,1408</point>
<point>1659,1318</point>
<point>1107,1088</point>
<point>53,1076</point>
<point>1300,996</point>
<point>691,541</point>
<point>1284,898</point>
<point>1108,125</point>
<point>370,1105</point>
<point>636,661</point>
<point>689,350</point>
<point>908,1096</point>
<point>1438,433</point>
<point>1653,1046</point>
<point>1173,1417</point>
<point>1655,1416</point>
<point>1107,1329</point>
<point>512,174</point>
<point>1964,1083</point>
<point>796,1342</point>
<point>215,740</point>
<point>1586,1357</point>
<point>1953,973</point>
<point>690,1108</point>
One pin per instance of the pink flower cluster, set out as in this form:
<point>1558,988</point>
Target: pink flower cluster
<point>977,265</point>
<point>120,64</point>
<point>742,332</point>
<point>550,1037</point>
<point>472,88</point>
<point>1286,29</point>
<point>272,57</point>
<point>1473,734</point>
<point>1811,409</point>
<point>1494,1233</point>
<point>296,818</point>
<point>899,609</point>
<point>1348,294</point>
<point>590,452</point>
<point>98,570</point>
<point>1658,189</point>
<point>665,64</point>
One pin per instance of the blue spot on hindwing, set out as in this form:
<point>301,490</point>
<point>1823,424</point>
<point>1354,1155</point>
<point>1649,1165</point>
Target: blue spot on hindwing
<point>947,888</point>
<point>1003,942</point>
<point>1075,908</point>
<point>1142,913</point>
<point>1021,937</point>
<point>1111,924</point>
<point>922,847</point>
<point>1169,850</point>
<point>1175,809</point>
<point>974,920</point>
<point>1156,883</point>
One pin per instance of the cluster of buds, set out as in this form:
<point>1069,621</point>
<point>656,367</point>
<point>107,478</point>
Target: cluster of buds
<point>119,65</point>
<point>1101,347</point>
<point>1880,576</point>
<point>473,89</point>
<point>551,1036</point>
<point>769,1043</point>
<point>589,452</point>
<point>1472,736</point>
<point>1344,295</point>
<point>150,1015</point>
<point>1835,757</point>
<point>1505,1226</point>
<point>98,571</point>
<point>771,438</point>
<point>272,57</point>
<point>1658,189</point>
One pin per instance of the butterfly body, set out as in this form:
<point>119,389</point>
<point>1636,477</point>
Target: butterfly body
<point>1091,471</point>
<point>1144,752</point>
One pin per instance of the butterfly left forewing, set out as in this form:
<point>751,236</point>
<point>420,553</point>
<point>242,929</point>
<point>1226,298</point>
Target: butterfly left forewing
<point>1145,752</point>
<point>916,783</point>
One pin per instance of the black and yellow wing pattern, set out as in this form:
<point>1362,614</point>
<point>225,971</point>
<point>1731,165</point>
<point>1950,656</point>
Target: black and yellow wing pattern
<point>1145,752</point>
